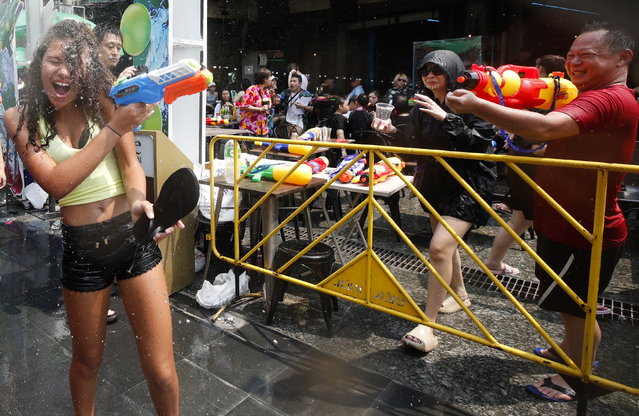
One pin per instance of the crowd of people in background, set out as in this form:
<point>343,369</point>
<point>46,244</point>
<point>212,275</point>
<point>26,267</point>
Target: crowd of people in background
<point>286,107</point>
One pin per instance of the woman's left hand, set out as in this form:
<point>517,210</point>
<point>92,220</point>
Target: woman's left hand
<point>430,107</point>
<point>145,207</point>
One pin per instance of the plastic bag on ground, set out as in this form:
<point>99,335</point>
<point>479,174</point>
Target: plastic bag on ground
<point>200,260</point>
<point>205,205</point>
<point>221,291</point>
<point>36,195</point>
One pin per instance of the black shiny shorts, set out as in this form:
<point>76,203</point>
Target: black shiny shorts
<point>95,254</point>
<point>573,266</point>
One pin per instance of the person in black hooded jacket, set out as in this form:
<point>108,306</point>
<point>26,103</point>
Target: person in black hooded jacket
<point>432,125</point>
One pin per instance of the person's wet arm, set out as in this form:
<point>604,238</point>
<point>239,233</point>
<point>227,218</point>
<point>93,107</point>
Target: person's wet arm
<point>533,126</point>
<point>131,170</point>
<point>58,179</point>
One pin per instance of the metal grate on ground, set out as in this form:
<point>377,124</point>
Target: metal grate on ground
<point>520,288</point>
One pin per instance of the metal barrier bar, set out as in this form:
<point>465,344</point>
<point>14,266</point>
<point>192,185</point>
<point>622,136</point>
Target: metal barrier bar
<point>372,261</point>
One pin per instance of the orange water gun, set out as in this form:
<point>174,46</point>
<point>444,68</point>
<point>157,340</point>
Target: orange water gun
<point>379,172</point>
<point>185,77</point>
<point>348,175</point>
<point>518,86</point>
<point>318,164</point>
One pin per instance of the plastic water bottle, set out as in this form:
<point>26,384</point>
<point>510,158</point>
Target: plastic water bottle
<point>229,161</point>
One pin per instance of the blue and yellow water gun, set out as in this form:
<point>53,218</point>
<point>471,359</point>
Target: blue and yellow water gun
<point>348,175</point>
<point>185,77</point>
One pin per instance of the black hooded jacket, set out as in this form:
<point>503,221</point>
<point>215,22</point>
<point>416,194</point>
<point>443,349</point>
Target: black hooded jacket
<point>464,133</point>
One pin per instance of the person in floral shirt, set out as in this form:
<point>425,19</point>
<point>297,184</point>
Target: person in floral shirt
<point>256,104</point>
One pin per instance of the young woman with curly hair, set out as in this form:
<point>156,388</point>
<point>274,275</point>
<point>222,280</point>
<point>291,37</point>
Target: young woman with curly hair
<point>80,148</point>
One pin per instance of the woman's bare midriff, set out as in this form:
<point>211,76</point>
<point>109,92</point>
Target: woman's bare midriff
<point>94,212</point>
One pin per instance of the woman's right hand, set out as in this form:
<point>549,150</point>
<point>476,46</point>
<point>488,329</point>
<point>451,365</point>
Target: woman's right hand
<point>129,117</point>
<point>385,126</point>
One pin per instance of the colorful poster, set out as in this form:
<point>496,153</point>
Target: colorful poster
<point>145,36</point>
<point>9,11</point>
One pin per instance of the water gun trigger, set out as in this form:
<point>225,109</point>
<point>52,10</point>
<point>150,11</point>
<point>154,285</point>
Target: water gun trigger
<point>256,177</point>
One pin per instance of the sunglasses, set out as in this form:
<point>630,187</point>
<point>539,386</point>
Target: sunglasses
<point>402,80</point>
<point>436,70</point>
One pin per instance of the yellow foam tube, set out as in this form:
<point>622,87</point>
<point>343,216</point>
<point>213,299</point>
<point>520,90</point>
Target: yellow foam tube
<point>300,176</point>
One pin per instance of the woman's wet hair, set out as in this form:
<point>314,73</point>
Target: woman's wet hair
<point>85,67</point>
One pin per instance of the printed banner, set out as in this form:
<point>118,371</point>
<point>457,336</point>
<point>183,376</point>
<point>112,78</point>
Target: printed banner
<point>9,11</point>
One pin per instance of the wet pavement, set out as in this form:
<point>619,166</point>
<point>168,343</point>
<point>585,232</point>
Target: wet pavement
<point>240,366</point>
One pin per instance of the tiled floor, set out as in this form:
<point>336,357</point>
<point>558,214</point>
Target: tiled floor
<point>246,370</point>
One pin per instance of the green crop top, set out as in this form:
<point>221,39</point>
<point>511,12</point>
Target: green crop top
<point>104,182</point>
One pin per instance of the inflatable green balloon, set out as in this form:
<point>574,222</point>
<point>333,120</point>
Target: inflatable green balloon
<point>154,122</point>
<point>136,29</point>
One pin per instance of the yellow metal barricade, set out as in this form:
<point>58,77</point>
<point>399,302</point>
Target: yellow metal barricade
<point>367,281</point>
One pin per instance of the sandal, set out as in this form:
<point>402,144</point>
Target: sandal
<point>111,317</point>
<point>503,208</point>
<point>449,305</point>
<point>550,385</point>
<point>603,310</point>
<point>506,270</point>
<point>415,340</point>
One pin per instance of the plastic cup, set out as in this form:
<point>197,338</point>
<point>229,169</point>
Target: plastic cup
<point>383,110</point>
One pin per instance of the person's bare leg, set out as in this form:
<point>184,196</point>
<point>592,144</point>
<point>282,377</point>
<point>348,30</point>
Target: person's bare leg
<point>572,344</point>
<point>86,313</point>
<point>441,252</point>
<point>457,279</point>
<point>146,302</point>
<point>503,241</point>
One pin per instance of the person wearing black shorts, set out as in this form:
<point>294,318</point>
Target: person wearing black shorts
<point>599,125</point>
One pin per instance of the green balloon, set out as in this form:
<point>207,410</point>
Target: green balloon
<point>154,122</point>
<point>136,29</point>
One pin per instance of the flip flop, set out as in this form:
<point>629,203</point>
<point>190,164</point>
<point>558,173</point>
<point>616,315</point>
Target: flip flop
<point>556,358</point>
<point>549,384</point>
<point>505,271</point>
<point>503,208</point>
<point>417,343</point>
<point>603,310</point>
<point>179,196</point>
